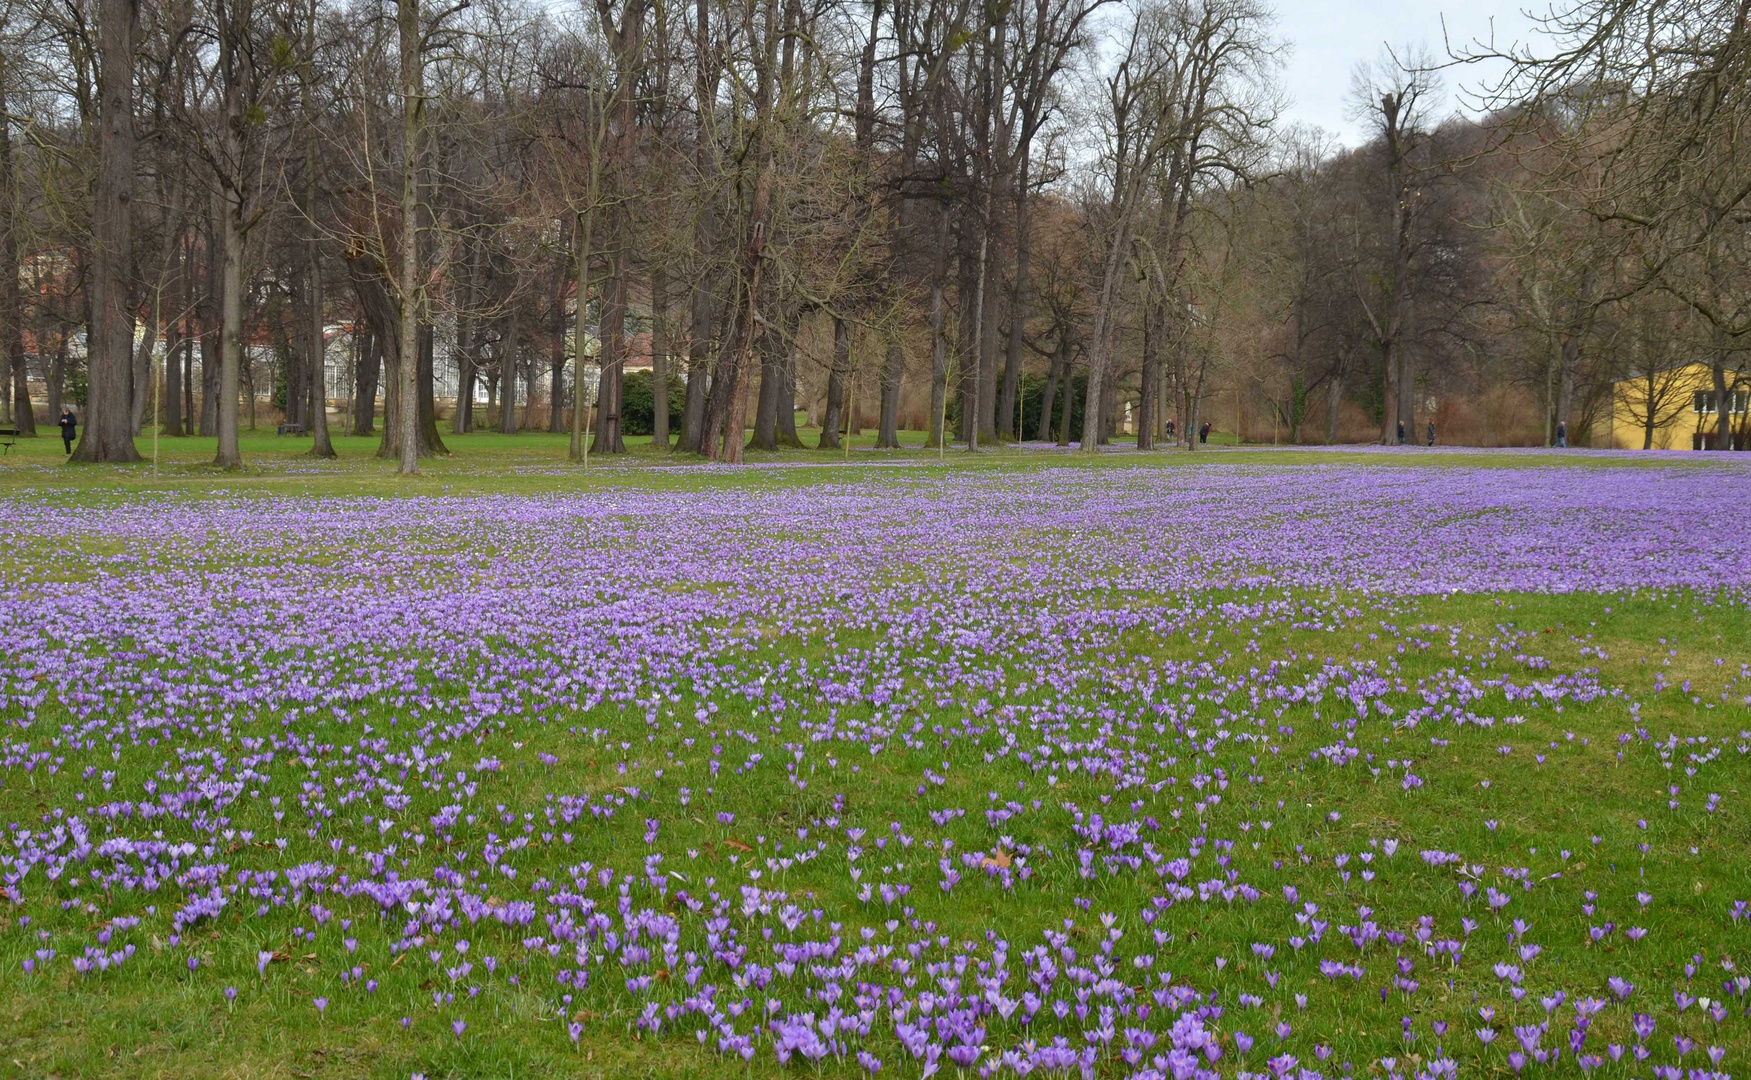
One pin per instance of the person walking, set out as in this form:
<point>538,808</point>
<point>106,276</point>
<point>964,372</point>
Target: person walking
<point>1562,433</point>
<point>1401,433</point>
<point>1204,432</point>
<point>1431,433</point>
<point>69,428</point>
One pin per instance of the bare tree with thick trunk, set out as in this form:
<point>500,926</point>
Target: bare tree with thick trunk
<point>109,434</point>
<point>322,445</point>
<point>12,361</point>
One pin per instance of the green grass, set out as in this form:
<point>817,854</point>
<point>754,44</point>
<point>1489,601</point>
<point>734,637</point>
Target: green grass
<point>1576,814</point>
<point>148,1023</point>
<point>538,461</point>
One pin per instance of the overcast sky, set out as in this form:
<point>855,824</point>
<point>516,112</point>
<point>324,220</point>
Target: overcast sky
<point>1330,36</point>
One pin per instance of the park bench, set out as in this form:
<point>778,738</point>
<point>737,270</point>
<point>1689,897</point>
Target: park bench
<point>8,437</point>
<point>291,429</point>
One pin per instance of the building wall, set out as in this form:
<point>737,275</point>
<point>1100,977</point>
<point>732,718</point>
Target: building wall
<point>1676,433</point>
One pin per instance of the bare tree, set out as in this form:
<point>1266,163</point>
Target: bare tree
<point>726,411</point>
<point>12,357</point>
<point>1394,99</point>
<point>109,430</point>
<point>1183,98</point>
<point>1651,105</point>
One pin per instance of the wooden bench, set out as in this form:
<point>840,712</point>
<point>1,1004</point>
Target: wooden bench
<point>8,437</point>
<point>291,429</point>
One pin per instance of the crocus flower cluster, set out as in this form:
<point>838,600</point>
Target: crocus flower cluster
<point>1226,771</point>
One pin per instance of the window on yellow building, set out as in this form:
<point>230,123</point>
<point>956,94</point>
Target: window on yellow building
<point>1703,402</point>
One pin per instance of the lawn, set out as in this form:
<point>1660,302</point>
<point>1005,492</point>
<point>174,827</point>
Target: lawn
<point>1371,763</point>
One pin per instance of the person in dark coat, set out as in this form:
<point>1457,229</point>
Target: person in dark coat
<point>1431,433</point>
<point>1401,433</point>
<point>1204,433</point>
<point>69,429</point>
<point>1562,433</point>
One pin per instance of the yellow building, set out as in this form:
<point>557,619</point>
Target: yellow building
<point>1678,405</point>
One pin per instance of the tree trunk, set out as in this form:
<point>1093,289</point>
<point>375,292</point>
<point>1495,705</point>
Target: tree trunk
<point>556,379</point>
<point>1565,383</point>
<point>831,418</point>
<point>1334,399</point>
<point>718,405</point>
<point>188,383</point>
<point>462,420</point>
<point>388,446</point>
<point>233,228</point>
<point>626,43</point>
<point>609,393</point>
<point>108,435</point>
<point>468,340</point>
<point>322,446</point>
<point>173,360</point>
<point>698,372</point>
<point>1389,402</point>
<point>779,342</point>
<point>410,287</point>
<point>787,435</point>
<point>1109,405</point>
<point>1651,417</point>
<point>527,370</point>
<point>57,376</point>
<point>660,356</point>
<point>510,348</point>
<point>988,295</point>
<point>368,361</point>
<point>580,391</point>
<point>990,138</point>
<point>11,303</point>
<point>1008,422</point>
<point>140,382</point>
<point>210,375</point>
<point>693,406</point>
<point>288,362</point>
<point>726,412</point>
<point>765,435</point>
<point>1407,390</point>
<point>939,334</point>
<point>209,316</point>
<point>970,299</point>
<point>294,362</point>
<point>1157,392</point>
<point>1049,393</point>
<point>1105,324</point>
<point>1150,374</point>
<point>230,324</point>
<point>1069,396</point>
<point>249,393</point>
<point>1723,399</point>
<point>429,442</point>
<point>726,415</point>
<point>383,316</point>
<point>893,370</point>
<point>987,339</point>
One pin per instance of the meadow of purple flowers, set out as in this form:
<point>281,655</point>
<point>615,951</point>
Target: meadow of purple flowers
<point>1227,771</point>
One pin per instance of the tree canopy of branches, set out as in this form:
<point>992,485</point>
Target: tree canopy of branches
<point>959,218</point>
